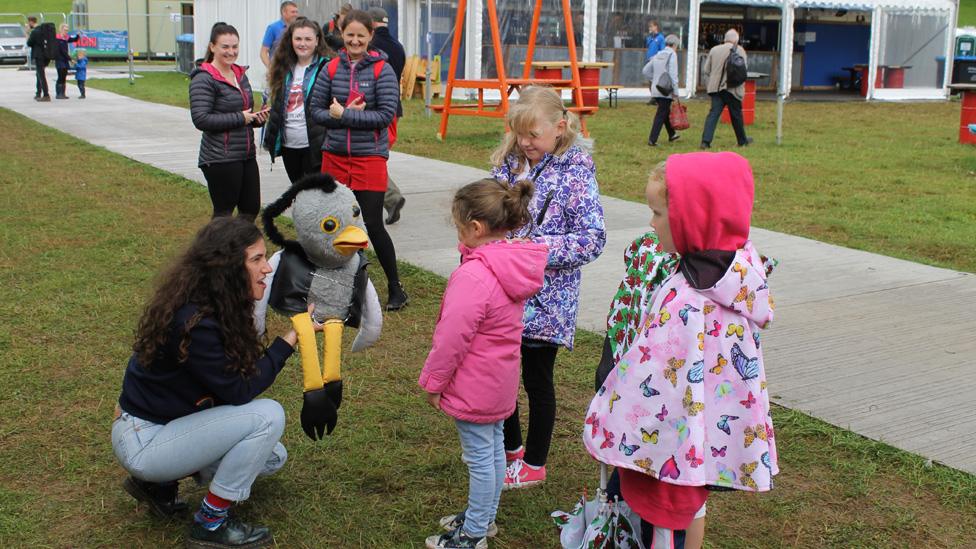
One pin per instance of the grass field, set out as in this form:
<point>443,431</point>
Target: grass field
<point>883,177</point>
<point>80,253</point>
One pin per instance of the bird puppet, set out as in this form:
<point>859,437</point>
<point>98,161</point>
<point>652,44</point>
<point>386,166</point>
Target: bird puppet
<point>326,266</point>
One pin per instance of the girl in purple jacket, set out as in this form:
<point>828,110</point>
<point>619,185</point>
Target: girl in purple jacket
<point>472,371</point>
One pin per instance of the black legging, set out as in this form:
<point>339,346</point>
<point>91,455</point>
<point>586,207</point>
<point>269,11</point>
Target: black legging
<point>661,118</point>
<point>537,378</point>
<point>298,163</point>
<point>371,203</point>
<point>234,185</point>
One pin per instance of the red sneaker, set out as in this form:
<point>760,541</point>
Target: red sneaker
<point>521,475</point>
<point>512,456</point>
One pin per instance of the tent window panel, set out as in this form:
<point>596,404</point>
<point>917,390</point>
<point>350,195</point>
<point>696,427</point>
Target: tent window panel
<point>514,25</point>
<point>910,45</point>
<point>622,31</point>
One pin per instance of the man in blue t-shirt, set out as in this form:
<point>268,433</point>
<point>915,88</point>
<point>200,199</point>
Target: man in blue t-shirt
<point>654,42</point>
<point>289,12</point>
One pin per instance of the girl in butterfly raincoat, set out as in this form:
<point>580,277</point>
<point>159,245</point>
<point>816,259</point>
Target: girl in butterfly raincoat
<point>686,406</point>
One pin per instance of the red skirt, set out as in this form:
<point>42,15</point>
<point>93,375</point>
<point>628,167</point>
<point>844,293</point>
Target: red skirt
<point>663,505</point>
<point>359,173</point>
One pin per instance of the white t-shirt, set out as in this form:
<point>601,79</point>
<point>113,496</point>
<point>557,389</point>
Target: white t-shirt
<point>296,135</point>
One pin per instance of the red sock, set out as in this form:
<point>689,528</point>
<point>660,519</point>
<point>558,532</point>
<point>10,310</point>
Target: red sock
<point>216,501</point>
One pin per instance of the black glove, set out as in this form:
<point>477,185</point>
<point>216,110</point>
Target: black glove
<point>334,392</point>
<point>318,413</point>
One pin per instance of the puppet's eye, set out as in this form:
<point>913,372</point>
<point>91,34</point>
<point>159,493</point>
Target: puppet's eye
<point>355,211</point>
<point>330,224</point>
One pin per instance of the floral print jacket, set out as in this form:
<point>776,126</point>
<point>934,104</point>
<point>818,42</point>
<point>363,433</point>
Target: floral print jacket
<point>572,228</point>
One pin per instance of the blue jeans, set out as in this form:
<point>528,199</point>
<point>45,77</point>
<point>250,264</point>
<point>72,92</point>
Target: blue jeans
<point>483,450</point>
<point>231,445</point>
<point>721,100</point>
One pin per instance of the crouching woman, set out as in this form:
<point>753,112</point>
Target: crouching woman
<point>189,401</point>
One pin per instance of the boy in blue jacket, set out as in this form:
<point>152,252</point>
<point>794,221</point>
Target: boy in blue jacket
<point>81,71</point>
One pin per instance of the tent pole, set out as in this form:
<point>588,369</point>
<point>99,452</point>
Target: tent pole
<point>780,101</point>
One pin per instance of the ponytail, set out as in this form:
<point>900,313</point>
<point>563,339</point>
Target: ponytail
<point>216,31</point>
<point>496,205</point>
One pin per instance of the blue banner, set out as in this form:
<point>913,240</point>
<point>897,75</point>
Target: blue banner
<point>107,43</point>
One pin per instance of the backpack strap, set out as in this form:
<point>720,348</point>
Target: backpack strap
<point>333,66</point>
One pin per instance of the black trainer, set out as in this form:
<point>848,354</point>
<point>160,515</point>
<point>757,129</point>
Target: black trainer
<point>456,540</point>
<point>162,498</point>
<point>674,138</point>
<point>231,533</point>
<point>398,298</point>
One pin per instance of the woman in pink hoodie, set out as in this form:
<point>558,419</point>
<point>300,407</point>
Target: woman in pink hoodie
<point>472,371</point>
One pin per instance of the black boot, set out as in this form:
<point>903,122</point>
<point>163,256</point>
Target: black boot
<point>162,498</point>
<point>398,298</point>
<point>231,533</point>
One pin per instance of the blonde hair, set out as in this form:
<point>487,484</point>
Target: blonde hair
<point>535,104</point>
<point>494,204</point>
<point>659,175</point>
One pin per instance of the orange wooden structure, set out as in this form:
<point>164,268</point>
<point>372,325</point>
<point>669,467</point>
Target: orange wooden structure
<point>502,82</point>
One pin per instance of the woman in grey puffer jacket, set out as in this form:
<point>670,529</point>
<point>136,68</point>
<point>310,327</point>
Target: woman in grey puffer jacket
<point>355,98</point>
<point>221,105</point>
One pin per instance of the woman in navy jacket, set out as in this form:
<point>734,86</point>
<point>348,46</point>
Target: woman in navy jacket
<point>222,106</point>
<point>291,134</point>
<point>189,396</point>
<point>356,99</point>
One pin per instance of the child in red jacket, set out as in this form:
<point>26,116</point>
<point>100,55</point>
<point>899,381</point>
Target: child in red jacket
<point>472,371</point>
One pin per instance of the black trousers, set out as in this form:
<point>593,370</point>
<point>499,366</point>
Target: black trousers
<point>661,118</point>
<point>81,87</point>
<point>234,185</point>
<point>60,86</point>
<point>298,163</point>
<point>41,78</point>
<point>537,378</point>
<point>720,100</point>
<point>371,202</point>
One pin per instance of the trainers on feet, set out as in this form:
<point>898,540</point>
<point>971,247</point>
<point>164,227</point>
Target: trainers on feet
<point>163,499</point>
<point>456,540</point>
<point>674,138</point>
<point>514,455</point>
<point>231,533</point>
<point>455,522</point>
<point>398,298</point>
<point>520,475</point>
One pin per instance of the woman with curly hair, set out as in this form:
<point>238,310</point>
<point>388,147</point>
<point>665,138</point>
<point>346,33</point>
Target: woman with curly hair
<point>188,404</point>
<point>290,132</point>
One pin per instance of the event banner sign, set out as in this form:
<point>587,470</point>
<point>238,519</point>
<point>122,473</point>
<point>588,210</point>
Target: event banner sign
<point>103,43</point>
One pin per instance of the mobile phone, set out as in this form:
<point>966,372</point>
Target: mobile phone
<point>354,97</point>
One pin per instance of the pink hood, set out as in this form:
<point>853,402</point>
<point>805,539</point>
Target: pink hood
<point>709,201</point>
<point>475,357</point>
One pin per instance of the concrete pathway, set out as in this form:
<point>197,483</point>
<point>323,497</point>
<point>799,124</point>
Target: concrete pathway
<point>898,365</point>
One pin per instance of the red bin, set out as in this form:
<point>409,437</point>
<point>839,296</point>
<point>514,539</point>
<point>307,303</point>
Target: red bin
<point>967,117</point>
<point>895,77</point>
<point>748,106</point>
<point>549,73</point>
<point>590,76</point>
<point>878,80</point>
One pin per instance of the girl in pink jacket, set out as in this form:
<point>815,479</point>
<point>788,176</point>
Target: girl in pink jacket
<point>472,371</point>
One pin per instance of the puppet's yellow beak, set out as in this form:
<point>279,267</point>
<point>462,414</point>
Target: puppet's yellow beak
<point>350,240</point>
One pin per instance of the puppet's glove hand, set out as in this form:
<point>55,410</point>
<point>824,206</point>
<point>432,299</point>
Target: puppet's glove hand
<point>334,391</point>
<point>318,413</point>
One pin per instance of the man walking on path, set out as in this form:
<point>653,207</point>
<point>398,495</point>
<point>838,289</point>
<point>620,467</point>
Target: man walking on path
<point>723,96</point>
<point>289,12</point>
<point>44,47</point>
<point>393,201</point>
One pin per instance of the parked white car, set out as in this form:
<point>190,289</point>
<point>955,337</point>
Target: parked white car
<point>13,43</point>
